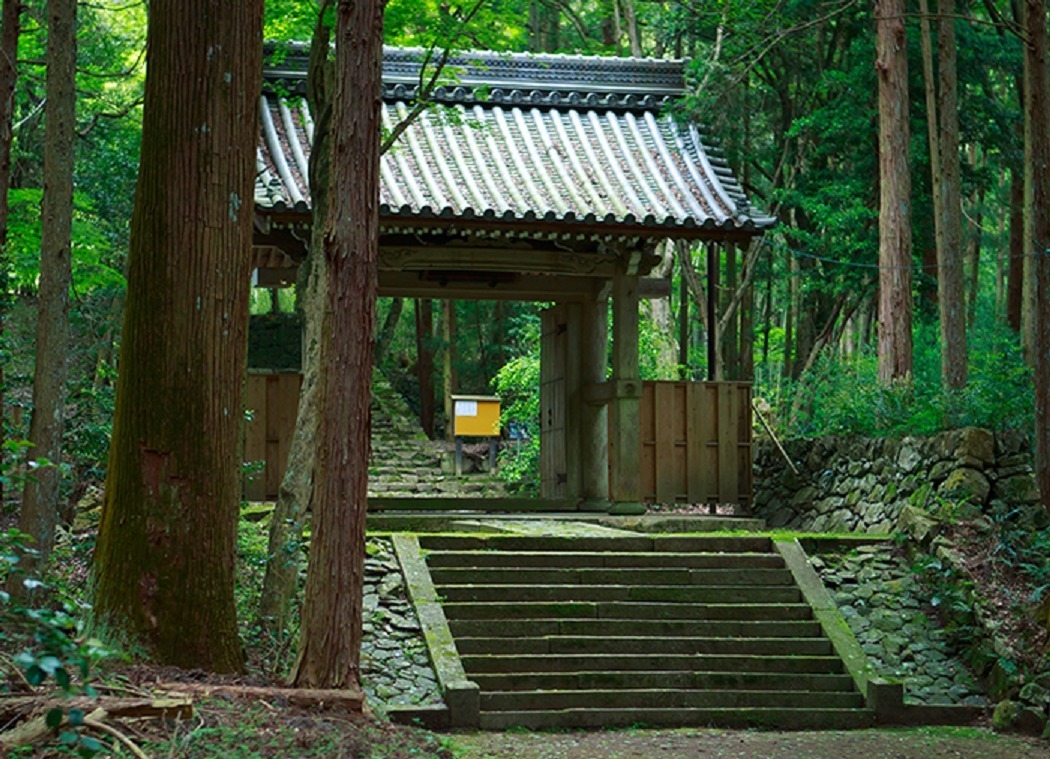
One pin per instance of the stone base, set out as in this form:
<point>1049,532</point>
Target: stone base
<point>628,508</point>
<point>596,504</point>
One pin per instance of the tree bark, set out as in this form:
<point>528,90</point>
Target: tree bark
<point>164,561</point>
<point>330,643</point>
<point>950,274</point>
<point>386,332</point>
<point>1037,224</point>
<point>296,491</point>
<point>425,363</point>
<point>895,302</point>
<point>1036,189</point>
<point>43,487</point>
<point>660,313</point>
<point>1015,267</point>
<point>10,27</point>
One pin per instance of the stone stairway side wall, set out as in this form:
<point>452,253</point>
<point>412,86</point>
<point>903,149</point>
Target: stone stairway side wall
<point>862,485</point>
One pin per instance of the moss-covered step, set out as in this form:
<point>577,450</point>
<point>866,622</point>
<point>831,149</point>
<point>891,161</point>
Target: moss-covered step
<point>623,610</point>
<point>734,717</point>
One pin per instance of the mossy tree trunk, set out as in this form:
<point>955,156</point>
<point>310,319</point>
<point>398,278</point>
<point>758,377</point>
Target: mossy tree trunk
<point>40,498</point>
<point>164,561</point>
<point>296,490</point>
<point>330,643</point>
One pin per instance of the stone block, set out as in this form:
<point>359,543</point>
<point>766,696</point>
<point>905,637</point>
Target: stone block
<point>965,485</point>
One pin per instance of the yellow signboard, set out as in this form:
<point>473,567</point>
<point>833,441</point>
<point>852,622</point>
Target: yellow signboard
<point>475,415</point>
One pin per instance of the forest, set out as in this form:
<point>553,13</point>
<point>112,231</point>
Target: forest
<point>903,148</point>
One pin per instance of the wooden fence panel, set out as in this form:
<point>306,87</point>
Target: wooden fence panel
<point>696,442</point>
<point>273,401</point>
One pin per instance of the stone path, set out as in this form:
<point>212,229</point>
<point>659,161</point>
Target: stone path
<point>884,604</point>
<point>394,658</point>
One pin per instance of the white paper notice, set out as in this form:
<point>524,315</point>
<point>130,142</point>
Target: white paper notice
<point>466,408</point>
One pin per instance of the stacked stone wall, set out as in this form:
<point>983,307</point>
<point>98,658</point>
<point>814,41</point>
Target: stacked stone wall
<point>862,485</point>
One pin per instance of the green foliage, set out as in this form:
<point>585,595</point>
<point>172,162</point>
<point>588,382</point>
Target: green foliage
<point>49,626</point>
<point>842,395</point>
<point>518,386</point>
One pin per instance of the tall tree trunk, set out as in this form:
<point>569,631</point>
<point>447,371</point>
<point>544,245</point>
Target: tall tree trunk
<point>1035,240</point>
<point>386,332</point>
<point>950,275</point>
<point>10,27</point>
<point>1015,267</point>
<point>296,490</point>
<point>973,252</point>
<point>630,20</point>
<point>43,488</point>
<point>425,363</point>
<point>895,304</point>
<point>164,562</point>
<point>660,313</point>
<point>1037,224</point>
<point>330,644</point>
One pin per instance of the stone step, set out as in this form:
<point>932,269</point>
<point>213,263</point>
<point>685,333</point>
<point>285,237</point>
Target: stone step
<point>594,559</point>
<point>623,610</point>
<point>728,664</point>
<point>514,575</point>
<point>698,594</point>
<point>674,679</point>
<point>660,544</point>
<point>632,646</point>
<point>632,628</point>
<point>784,718</point>
<point>529,700</point>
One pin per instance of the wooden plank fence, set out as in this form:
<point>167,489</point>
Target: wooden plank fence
<point>696,442</point>
<point>272,400</point>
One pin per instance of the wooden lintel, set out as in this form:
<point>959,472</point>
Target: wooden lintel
<point>524,287</point>
<point>604,393</point>
<point>274,277</point>
<point>496,259</point>
<point>654,287</point>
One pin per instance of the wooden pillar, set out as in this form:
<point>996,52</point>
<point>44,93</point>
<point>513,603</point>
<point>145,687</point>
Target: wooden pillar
<point>626,480</point>
<point>448,335</point>
<point>713,366</point>
<point>594,417</point>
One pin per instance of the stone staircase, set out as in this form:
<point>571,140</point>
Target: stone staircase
<point>618,631</point>
<point>405,463</point>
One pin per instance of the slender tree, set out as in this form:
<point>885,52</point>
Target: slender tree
<point>1037,223</point>
<point>10,27</point>
<point>164,561</point>
<point>40,498</point>
<point>330,644</point>
<point>895,303</point>
<point>950,292</point>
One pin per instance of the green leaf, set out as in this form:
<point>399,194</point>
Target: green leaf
<point>49,664</point>
<point>4,597</point>
<point>68,738</point>
<point>32,584</point>
<point>54,718</point>
<point>76,717</point>
<point>62,678</point>
<point>90,692</point>
<point>89,746</point>
<point>35,675</point>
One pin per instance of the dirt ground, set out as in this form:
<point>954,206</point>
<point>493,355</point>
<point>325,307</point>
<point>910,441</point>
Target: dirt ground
<point>911,743</point>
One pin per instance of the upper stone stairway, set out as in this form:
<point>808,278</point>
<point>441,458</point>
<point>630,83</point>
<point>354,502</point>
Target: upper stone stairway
<point>405,463</point>
<point>664,630</point>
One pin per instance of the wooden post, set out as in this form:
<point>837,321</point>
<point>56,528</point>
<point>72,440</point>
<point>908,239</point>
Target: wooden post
<point>594,418</point>
<point>626,485</point>
<point>448,334</point>
<point>712,312</point>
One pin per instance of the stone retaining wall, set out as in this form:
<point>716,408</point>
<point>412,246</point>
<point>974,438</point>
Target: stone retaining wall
<point>861,485</point>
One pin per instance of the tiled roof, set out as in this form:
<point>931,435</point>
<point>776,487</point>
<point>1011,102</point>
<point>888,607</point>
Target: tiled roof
<point>523,142</point>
